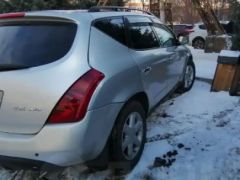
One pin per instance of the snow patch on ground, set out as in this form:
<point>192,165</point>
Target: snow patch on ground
<point>205,63</point>
<point>208,126</point>
<point>228,53</point>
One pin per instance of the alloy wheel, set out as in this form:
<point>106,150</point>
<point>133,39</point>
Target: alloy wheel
<point>189,76</point>
<point>132,135</point>
<point>198,44</point>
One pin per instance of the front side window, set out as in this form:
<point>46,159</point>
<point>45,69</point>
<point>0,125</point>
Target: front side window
<point>166,39</point>
<point>112,27</point>
<point>142,35</point>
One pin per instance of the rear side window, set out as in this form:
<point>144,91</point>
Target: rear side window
<point>33,44</point>
<point>112,27</point>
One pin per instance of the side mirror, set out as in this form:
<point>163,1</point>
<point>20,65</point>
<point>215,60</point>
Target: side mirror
<point>183,40</point>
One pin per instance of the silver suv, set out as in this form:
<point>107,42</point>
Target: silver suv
<point>76,86</point>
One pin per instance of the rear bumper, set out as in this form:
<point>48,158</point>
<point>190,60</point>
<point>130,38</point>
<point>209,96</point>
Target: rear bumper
<point>14,163</point>
<point>62,145</point>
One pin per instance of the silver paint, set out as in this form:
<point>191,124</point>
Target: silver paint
<point>31,94</point>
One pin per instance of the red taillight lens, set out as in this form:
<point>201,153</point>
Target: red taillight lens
<point>72,107</point>
<point>12,15</point>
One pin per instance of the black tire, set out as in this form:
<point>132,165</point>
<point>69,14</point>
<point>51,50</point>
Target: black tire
<point>183,87</point>
<point>198,43</point>
<point>118,157</point>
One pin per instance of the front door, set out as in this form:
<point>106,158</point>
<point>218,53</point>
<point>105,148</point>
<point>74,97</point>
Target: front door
<point>176,53</point>
<point>152,61</point>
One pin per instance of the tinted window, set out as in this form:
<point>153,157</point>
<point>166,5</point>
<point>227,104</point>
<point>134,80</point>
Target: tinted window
<point>142,37</point>
<point>190,26</point>
<point>202,26</point>
<point>165,37</point>
<point>35,44</point>
<point>182,27</point>
<point>141,33</point>
<point>227,27</point>
<point>179,27</point>
<point>112,27</point>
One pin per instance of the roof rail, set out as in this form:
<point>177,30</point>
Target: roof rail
<point>117,9</point>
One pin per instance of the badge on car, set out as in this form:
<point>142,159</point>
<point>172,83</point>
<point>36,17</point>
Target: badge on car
<point>1,97</point>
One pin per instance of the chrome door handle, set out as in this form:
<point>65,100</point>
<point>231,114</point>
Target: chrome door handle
<point>147,70</point>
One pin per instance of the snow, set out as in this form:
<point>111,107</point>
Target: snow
<point>205,63</point>
<point>206,123</point>
<point>227,53</point>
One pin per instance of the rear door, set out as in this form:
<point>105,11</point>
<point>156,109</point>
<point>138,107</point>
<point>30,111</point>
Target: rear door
<point>152,61</point>
<point>28,90</point>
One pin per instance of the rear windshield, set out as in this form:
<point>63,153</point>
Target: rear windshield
<point>34,44</point>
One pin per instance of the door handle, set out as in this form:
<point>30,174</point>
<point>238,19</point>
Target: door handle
<point>147,70</point>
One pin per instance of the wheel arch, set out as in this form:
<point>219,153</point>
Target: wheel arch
<point>198,37</point>
<point>142,98</point>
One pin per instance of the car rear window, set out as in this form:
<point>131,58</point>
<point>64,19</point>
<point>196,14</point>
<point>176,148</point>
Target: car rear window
<point>190,26</point>
<point>34,44</point>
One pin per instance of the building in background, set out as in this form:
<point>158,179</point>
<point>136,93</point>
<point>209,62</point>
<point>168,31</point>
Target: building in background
<point>138,4</point>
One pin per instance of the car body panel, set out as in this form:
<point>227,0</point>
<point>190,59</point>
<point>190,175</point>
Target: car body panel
<point>178,59</point>
<point>197,33</point>
<point>117,64</point>
<point>64,144</point>
<point>155,80</point>
<point>29,95</point>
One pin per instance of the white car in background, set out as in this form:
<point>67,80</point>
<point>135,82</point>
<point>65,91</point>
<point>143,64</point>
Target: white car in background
<point>198,35</point>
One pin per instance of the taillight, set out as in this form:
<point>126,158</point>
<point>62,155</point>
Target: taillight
<point>12,15</point>
<point>72,107</point>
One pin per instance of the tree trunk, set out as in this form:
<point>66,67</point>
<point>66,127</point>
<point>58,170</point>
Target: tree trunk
<point>208,17</point>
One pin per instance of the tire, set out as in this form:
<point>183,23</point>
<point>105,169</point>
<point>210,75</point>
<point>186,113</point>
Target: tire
<point>125,153</point>
<point>189,77</point>
<point>198,43</point>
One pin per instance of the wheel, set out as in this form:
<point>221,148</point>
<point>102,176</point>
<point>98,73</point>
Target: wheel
<point>189,77</point>
<point>198,43</point>
<point>128,136</point>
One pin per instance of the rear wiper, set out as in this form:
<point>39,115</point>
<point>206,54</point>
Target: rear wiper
<point>10,67</point>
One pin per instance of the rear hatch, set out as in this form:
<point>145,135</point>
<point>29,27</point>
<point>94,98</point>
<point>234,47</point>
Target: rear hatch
<point>30,51</point>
